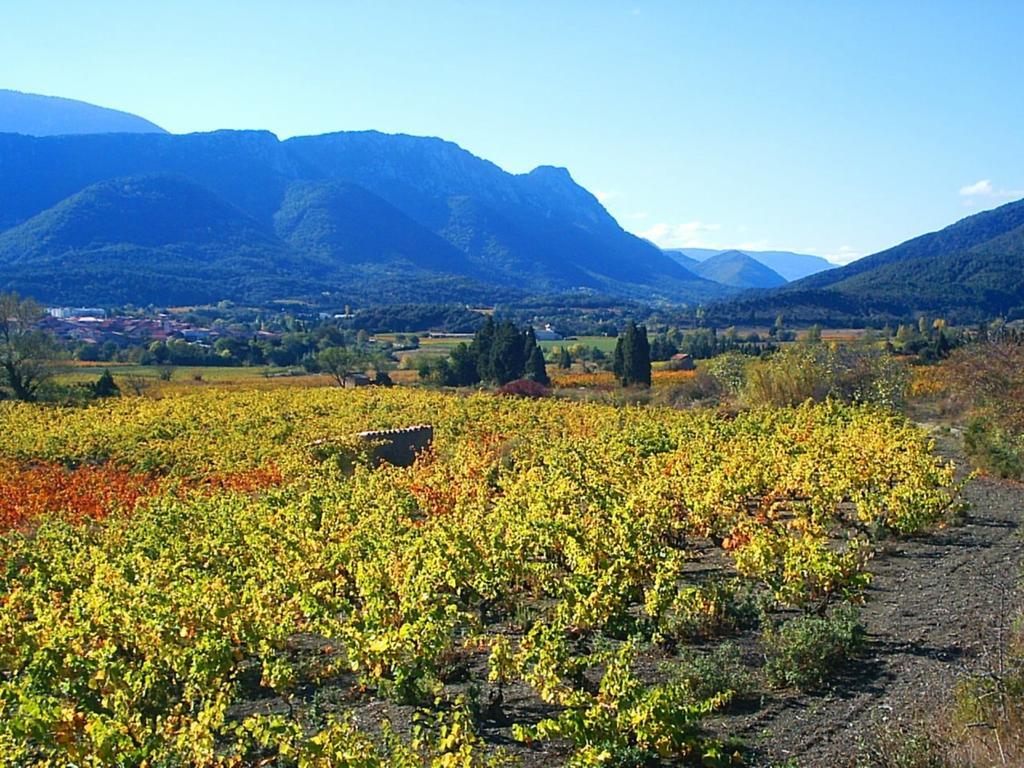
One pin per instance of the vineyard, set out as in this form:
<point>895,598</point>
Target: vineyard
<point>225,578</point>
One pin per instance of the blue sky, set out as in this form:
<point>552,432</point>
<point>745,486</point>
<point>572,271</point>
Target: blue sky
<point>831,127</point>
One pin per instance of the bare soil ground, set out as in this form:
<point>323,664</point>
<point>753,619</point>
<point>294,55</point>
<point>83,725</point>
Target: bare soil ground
<point>935,611</point>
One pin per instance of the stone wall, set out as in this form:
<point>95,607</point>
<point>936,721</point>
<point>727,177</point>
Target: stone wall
<point>398,446</point>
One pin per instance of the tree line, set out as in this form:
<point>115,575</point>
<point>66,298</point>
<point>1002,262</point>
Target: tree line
<point>498,354</point>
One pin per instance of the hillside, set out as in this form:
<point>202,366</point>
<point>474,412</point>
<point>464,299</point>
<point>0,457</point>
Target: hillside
<point>379,216</point>
<point>35,115</point>
<point>147,239</point>
<point>679,255</point>
<point>738,270</point>
<point>969,271</point>
<point>792,266</point>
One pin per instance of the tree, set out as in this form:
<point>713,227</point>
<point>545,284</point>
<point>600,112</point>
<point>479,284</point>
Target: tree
<point>507,358</point>
<point>480,348</point>
<point>341,362</point>
<point>105,386</point>
<point>640,359</point>
<point>632,360</point>
<point>536,368</point>
<point>462,368</point>
<point>663,348</point>
<point>564,359</point>
<point>619,359</point>
<point>778,327</point>
<point>529,342</point>
<point>24,349</point>
<point>534,365</point>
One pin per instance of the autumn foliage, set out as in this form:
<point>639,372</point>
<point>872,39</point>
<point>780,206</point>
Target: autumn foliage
<point>85,493</point>
<point>27,492</point>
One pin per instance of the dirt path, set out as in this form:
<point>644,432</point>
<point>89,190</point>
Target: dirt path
<point>933,613</point>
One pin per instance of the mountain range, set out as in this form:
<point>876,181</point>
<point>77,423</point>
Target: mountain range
<point>732,268</point>
<point>35,115</point>
<point>791,266</point>
<point>969,271</point>
<point>359,216</point>
<point>103,207</point>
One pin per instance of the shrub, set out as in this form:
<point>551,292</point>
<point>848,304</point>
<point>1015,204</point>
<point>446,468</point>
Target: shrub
<point>718,672</point>
<point>851,373</point>
<point>105,386</point>
<point>728,371</point>
<point>993,449</point>
<point>786,378</point>
<point>898,745</point>
<point>703,610</point>
<point>525,388</point>
<point>990,377</point>
<point>628,722</point>
<point>807,651</point>
<point>989,705</point>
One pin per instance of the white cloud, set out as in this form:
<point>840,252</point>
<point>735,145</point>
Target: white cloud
<point>844,255</point>
<point>690,234</point>
<point>985,193</point>
<point>603,196</point>
<point>983,187</point>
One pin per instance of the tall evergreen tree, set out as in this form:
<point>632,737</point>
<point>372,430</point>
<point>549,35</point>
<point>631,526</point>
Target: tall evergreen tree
<point>640,359</point>
<point>480,349</point>
<point>632,362</point>
<point>529,342</point>
<point>619,359</point>
<point>536,368</point>
<point>507,359</point>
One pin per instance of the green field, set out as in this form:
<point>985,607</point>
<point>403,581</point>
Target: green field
<point>81,373</point>
<point>604,343</point>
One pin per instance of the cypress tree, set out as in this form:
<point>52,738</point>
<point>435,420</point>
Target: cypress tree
<point>628,350</point>
<point>536,368</point>
<point>640,359</point>
<point>564,359</point>
<point>480,349</point>
<point>632,361</point>
<point>529,342</point>
<point>619,360</point>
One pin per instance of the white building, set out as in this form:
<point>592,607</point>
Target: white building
<point>66,313</point>
<point>547,333</point>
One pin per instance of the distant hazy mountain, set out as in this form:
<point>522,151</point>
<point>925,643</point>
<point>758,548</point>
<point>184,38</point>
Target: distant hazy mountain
<point>687,261</point>
<point>366,215</point>
<point>971,270</point>
<point>738,270</point>
<point>792,266</point>
<point>35,115</point>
